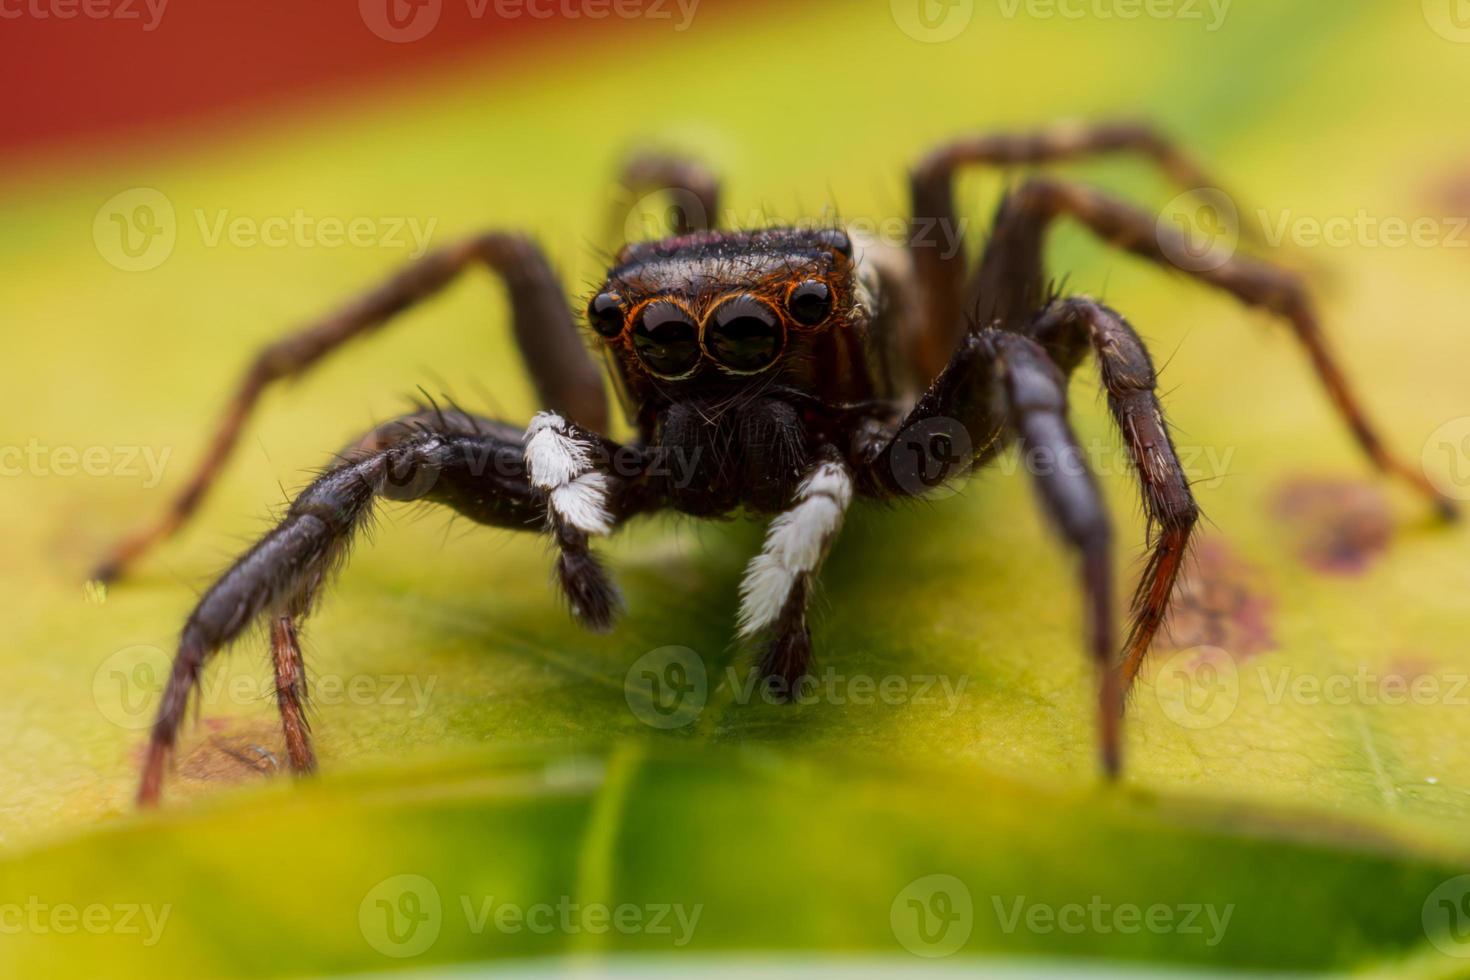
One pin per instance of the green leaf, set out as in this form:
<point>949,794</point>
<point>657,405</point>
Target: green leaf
<point>1296,753</point>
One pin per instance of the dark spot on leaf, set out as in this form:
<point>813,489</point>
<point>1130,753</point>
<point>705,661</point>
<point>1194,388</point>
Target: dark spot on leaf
<point>1219,601</point>
<point>1451,193</point>
<point>233,751</point>
<point>1338,526</point>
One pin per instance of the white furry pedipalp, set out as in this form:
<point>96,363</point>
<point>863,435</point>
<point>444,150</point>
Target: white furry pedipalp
<point>796,542</point>
<point>560,464</point>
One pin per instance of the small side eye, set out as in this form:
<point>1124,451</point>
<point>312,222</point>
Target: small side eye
<point>837,240</point>
<point>810,302</point>
<point>666,340</point>
<point>605,313</point>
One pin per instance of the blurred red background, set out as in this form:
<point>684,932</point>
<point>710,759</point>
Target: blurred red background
<point>104,74</point>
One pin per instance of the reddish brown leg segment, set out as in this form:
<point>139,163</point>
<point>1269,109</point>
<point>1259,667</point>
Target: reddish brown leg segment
<point>290,670</point>
<point>566,378</point>
<point>1128,375</point>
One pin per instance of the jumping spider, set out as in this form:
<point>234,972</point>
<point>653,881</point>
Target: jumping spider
<point>791,371</point>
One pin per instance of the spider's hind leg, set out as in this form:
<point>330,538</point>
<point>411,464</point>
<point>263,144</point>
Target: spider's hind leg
<point>1026,215</point>
<point>937,245</point>
<point>564,374</point>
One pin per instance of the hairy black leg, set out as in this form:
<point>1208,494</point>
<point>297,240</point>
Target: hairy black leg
<point>455,460</point>
<point>778,581</point>
<point>1002,385</point>
<point>1040,201</point>
<point>564,374</point>
<point>693,192</point>
<point>1128,375</point>
<point>940,265</point>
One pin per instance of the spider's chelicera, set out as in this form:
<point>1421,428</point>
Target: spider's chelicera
<point>781,372</point>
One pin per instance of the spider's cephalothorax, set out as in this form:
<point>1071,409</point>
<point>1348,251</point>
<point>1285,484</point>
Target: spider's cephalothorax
<point>779,371</point>
<point>737,354</point>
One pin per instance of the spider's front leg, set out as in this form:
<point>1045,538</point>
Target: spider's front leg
<point>474,466</point>
<point>568,465</point>
<point>999,386</point>
<point>1067,329</point>
<point>778,581</point>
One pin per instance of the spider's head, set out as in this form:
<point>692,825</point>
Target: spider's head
<point>711,312</point>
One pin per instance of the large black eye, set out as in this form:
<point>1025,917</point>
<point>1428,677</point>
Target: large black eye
<point>745,335</point>
<point>810,302</point>
<point>605,313</point>
<point>666,340</point>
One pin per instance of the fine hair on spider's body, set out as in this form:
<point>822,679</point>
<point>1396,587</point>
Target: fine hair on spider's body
<point>788,372</point>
